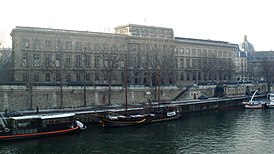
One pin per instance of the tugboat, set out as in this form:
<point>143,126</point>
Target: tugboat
<point>34,126</point>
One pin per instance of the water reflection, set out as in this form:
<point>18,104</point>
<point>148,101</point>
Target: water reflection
<point>232,131</point>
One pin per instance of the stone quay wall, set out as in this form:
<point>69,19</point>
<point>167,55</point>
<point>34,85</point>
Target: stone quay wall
<point>49,97</point>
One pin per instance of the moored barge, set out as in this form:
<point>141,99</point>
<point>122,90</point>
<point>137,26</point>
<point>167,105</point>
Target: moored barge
<point>33,126</point>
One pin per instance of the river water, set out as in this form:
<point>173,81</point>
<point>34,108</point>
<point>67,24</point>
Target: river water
<point>226,131</point>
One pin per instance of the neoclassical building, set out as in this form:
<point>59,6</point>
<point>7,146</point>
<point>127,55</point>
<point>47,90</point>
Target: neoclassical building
<point>147,54</point>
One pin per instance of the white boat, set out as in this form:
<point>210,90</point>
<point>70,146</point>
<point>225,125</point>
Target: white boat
<point>270,100</point>
<point>251,104</point>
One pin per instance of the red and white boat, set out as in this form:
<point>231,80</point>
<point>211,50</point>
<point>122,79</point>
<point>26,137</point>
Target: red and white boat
<point>251,104</point>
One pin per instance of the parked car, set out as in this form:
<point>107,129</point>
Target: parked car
<point>13,114</point>
<point>203,97</point>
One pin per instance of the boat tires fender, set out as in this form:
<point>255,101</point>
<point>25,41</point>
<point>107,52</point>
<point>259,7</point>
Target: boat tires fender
<point>7,130</point>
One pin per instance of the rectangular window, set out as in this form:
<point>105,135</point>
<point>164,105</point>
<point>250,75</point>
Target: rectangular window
<point>25,77</point>
<point>87,61</point>
<point>68,45</point>
<point>176,63</point>
<point>97,62</point>
<point>188,63</point>
<point>114,77</point>
<point>68,60</point>
<point>25,60</point>
<point>182,63</point>
<point>134,62</point>
<point>188,51</point>
<point>78,46</point>
<point>25,43</point>
<point>194,63</point>
<point>48,44</point>
<point>48,60</point>
<point>122,64</point>
<point>58,77</point>
<point>193,51</point>
<point>68,77</point>
<point>47,77</point>
<point>182,51</point>
<point>58,60</point>
<point>58,45</point>
<point>78,77</point>
<point>37,44</point>
<point>199,52</point>
<point>36,77</point>
<point>87,77</point>
<point>36,60</point>
<point>97,77</point>
<point>78,61</point>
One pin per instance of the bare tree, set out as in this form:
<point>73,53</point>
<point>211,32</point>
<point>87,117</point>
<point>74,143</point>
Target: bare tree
<point>267,70</point>
<point>110,55</point>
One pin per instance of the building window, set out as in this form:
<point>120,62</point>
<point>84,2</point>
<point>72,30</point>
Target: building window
<point>78,46</point>
<point>182,76</point>
<point>25,77</point>
<point>47,77</point>
<point>204,53</point>
<point>57,60</point>
<point>97,77</point>
<point>87,77</point>
<point>199,63</point>
<point>48,60</point>
<point>25,60</point>
<point>37,44</point>
<point>68,45</point>
<point>134,61</point>
<point>188,63</point>
<point>199,52</point>
<point>58,45</point>
<point>36,59</point>
<point>194,63</point>
<point>36,77</point>
<point>182,63</point>
<point>25,43</point>
<point>68,60</point>
<point>176,50</point>
<point>87,61</point>
<point>114,77</point>
<point>78,61</point>
<point>58,77</point>
<point>97,62</point>
<point>182,51</point>
<point>220,54</point>
<point>176,63</point>
<point>48,44</point>
<point>122,64</point>
<point>193,51</point>
<point>68,77</point>
<point>105,77</point>
<point>188,51</point>
<point>78,77</point>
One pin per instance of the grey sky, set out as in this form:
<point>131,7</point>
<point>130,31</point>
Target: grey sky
<point>224,20</point>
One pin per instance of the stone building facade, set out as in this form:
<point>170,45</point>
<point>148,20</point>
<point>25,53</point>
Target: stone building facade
<point>44,55</point>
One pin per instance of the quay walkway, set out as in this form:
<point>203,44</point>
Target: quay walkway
<point>88,114</point>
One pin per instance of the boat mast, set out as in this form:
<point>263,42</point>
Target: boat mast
<point>158,85</point>
<point>126,82</point>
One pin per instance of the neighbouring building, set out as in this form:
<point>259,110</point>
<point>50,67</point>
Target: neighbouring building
<point>149,54</point>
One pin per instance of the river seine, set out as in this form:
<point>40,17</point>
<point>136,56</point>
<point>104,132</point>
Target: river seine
<point>226,131</point>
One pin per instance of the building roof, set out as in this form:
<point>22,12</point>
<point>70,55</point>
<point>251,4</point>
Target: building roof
<point>245,45</point>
